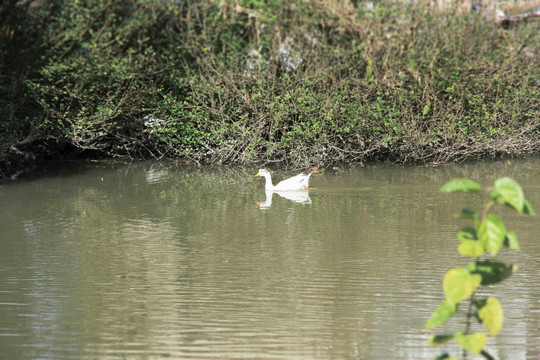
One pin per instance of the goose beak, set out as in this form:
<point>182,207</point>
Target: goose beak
<point>258,173</point>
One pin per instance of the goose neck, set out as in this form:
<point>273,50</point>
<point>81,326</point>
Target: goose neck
<point>269,185</point>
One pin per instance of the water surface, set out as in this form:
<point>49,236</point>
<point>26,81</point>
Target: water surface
<point>150,260</point>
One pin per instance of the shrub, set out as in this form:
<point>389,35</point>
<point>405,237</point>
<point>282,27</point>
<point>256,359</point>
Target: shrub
<point>256,81</point>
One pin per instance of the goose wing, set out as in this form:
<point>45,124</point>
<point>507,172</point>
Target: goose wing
<point>298,182</point>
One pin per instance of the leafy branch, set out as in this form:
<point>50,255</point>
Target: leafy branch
<point>486,236</point>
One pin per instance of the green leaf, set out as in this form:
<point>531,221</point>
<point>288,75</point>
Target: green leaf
<point>467,214</point>
<point>472,342</point>
<point>440,339</point>
<point>511,241</point>
<point>509,192</point>
<point>480,303</point>
<point>445,356</point>
<point>492,316</point>
<point>467,233</point>
<point>492,272</point>
<point>459,284</point>
<point>491,233</point>
<point>439,316</point>
<point>425,111</point>
<point>527,208</point>
<point>461,185</point>
<point>471,248</point>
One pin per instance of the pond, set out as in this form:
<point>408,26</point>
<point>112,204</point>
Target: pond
<point>153,260</point>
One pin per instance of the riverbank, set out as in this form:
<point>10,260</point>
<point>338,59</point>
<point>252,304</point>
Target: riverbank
<point>249,82</point>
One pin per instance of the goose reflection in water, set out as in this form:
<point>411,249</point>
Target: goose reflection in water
<point>300,196</point>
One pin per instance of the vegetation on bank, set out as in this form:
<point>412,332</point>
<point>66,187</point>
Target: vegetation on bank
<point>290,82</point>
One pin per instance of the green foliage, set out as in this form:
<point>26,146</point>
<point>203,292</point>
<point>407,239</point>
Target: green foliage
<point>445,356</point>
<point>459,284</point>
<point>491,234</point>
<point>508,192</point>
<point>461,185</point>
<point>326,82</point>
<point>487,234</point>
<point>472,342</point>
<point>491,314</point>
<point>492,272</point>
<point>441,315</point>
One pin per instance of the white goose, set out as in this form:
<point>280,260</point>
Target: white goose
<point>298,182</point>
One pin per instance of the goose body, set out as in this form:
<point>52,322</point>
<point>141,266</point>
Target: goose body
<point>295,183</point>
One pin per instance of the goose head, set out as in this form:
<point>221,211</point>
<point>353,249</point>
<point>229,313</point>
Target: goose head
<point>263,172</point>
